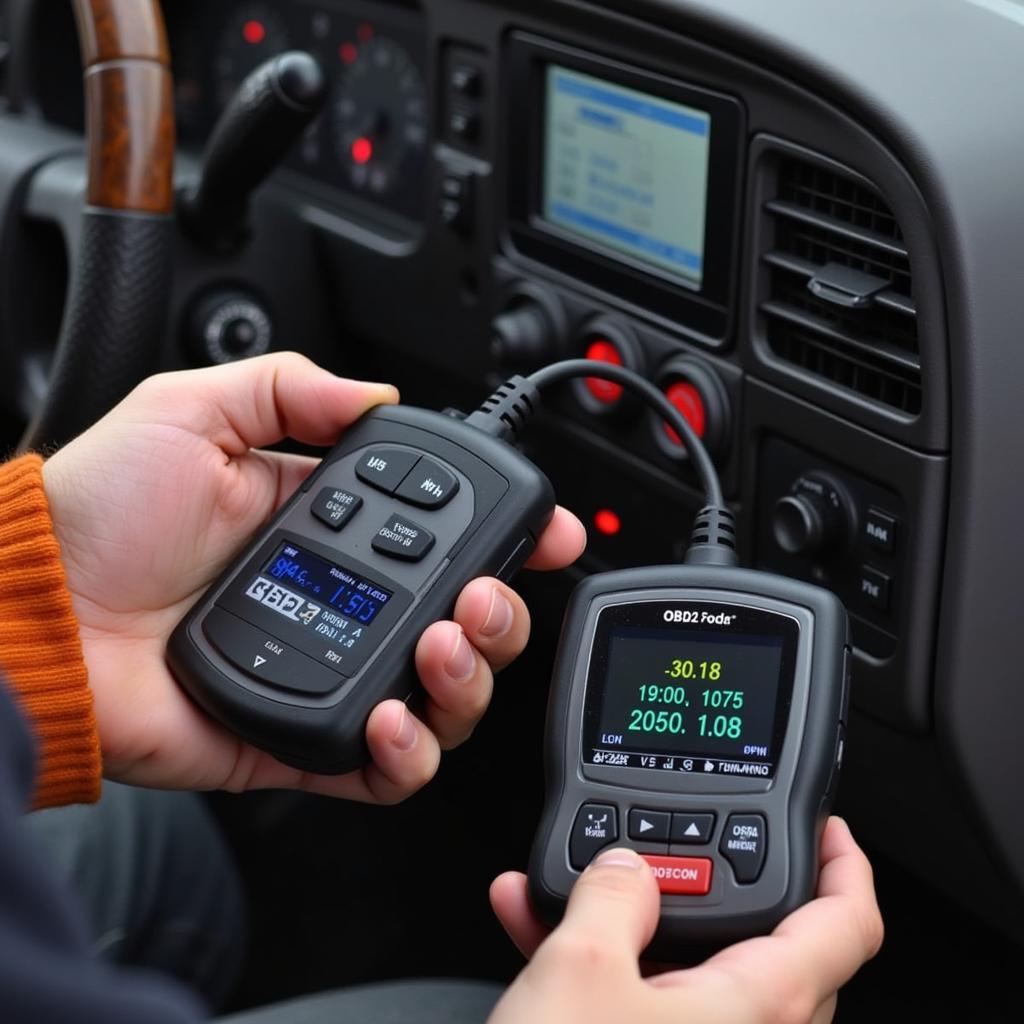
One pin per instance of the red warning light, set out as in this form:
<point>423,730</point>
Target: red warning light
<point>607,522</point>
<point>348,52</point>
<point>362,150</point>
<point>605,391</point>
<point>254,32</point>
<point>365,32</point>
<point>687,399</point>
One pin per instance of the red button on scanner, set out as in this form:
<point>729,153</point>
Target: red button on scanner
<point>606,391</point>
<point>687,399</point>
<point>681,876</point>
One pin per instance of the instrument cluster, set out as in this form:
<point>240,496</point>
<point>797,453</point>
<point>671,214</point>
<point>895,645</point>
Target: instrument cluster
<point>370,144</point>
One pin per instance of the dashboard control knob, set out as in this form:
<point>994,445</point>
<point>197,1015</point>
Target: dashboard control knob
<point>815,516</point>
<point>531,330</point>
<point>227,326</point>
<point>522,336</point>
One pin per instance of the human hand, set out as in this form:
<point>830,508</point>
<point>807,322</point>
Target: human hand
<point>588,969</point>
<point>151,503</point>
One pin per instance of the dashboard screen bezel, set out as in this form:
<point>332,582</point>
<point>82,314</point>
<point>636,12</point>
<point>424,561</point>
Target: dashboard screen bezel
<point>704,310</point>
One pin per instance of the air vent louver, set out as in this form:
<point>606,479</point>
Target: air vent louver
<point>838,301</point>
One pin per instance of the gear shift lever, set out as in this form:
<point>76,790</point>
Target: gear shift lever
<point>270,110</point>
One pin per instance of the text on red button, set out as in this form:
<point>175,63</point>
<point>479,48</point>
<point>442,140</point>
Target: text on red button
<point>681,876</point>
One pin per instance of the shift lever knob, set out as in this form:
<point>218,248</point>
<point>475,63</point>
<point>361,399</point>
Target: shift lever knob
<point>264,118</point>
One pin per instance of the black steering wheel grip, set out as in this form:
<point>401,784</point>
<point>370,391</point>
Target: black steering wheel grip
<point>120,276</point>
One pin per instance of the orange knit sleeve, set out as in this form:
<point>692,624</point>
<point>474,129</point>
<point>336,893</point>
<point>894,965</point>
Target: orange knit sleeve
<point>40,649</point>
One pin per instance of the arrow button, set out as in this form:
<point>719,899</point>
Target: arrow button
<point>651,826</point>
<point>692,828</point>
<point>257,661</point>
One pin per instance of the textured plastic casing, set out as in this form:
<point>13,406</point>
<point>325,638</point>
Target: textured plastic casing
<point>795,801</point>
<point>489,528</point>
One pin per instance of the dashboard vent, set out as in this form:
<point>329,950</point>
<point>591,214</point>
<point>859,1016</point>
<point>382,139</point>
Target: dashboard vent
<point>838,300</point>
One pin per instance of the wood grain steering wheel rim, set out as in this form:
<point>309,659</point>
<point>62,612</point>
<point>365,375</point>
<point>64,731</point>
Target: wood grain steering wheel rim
<point>129,104</point>
<point>120,272</point>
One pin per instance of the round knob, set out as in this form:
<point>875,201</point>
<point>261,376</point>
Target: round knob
<point>523,337</point>
<point>812,518</point>
<point>228,326</point>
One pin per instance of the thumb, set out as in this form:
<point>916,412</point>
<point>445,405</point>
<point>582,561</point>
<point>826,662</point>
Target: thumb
<point>617,899</point>
<point>258,402</point>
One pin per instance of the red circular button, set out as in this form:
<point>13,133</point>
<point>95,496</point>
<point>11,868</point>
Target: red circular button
<point>605,391</point>
<point>687,399</point>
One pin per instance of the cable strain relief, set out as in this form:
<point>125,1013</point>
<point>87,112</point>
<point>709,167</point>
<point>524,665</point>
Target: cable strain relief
<point>713,540</point>
<point>507,411</point>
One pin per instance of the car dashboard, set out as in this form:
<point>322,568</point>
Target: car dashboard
<point>803,224</point>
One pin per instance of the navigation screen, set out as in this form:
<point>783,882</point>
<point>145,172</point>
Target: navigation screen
<point>686,701</point>
<point>627,170</point>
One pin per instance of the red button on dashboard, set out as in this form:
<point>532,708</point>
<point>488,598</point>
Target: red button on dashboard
<point>605,391</point>
<point>687,399</point>
<point>681,876</point>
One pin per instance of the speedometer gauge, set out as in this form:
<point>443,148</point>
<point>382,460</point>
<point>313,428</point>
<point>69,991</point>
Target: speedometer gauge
<point>379,116</point>
<point>253,33</point>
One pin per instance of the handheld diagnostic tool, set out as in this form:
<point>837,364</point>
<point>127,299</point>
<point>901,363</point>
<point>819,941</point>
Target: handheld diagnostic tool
<point>317,622</point>
<point>697,715</point>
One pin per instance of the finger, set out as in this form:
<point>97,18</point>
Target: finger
<point>494,619</point>
<point>560,544</point>
<point>827,1010</point>
<point>257,402</point>
<point>458,682</point>
<point>612,909</point>
<point>511,904</point>
<point>404,753</point>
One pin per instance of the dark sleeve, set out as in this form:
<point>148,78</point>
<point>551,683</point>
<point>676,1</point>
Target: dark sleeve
<point>46,971</point>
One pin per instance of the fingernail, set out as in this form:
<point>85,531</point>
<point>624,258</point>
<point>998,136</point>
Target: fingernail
<point>499,617</point>
<point>617,858</point>
<point>405,734</point>
<point>461,662</point>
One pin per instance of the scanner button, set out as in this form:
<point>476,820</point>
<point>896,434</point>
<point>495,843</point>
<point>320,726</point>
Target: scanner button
<point>264,657</point>
<point>681,876</point>
<point>649,826</point>
<point>402,538</point>
<point>429,485</point>
<point>744,844</point>
<point>692,828</point>
<point>335,507</point>
<point>596,826</point>
<point>385,468</point>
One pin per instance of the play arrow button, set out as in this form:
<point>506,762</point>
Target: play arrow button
<point>650,826</point>
<point>259,661</point>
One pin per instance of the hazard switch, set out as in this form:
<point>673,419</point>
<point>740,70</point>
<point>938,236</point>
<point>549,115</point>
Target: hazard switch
<point>605,391</point>
<point>688,400</point>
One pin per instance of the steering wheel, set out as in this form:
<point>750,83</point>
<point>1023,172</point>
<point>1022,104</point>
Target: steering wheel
<point>120,249</point>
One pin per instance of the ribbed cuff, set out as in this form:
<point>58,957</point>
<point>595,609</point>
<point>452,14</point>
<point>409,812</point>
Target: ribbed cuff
<point>40,647</point>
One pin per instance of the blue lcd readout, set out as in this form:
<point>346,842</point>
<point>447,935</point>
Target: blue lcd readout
<point>350,595</point>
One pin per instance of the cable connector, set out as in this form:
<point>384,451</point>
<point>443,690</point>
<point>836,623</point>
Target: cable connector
<point>713,540</point>
<point>506,412</point>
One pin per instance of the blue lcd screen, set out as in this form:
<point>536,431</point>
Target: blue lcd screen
<point>293,569</point>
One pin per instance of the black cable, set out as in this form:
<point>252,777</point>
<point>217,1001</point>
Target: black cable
<point>507,411</point>
<point>571,369</point>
